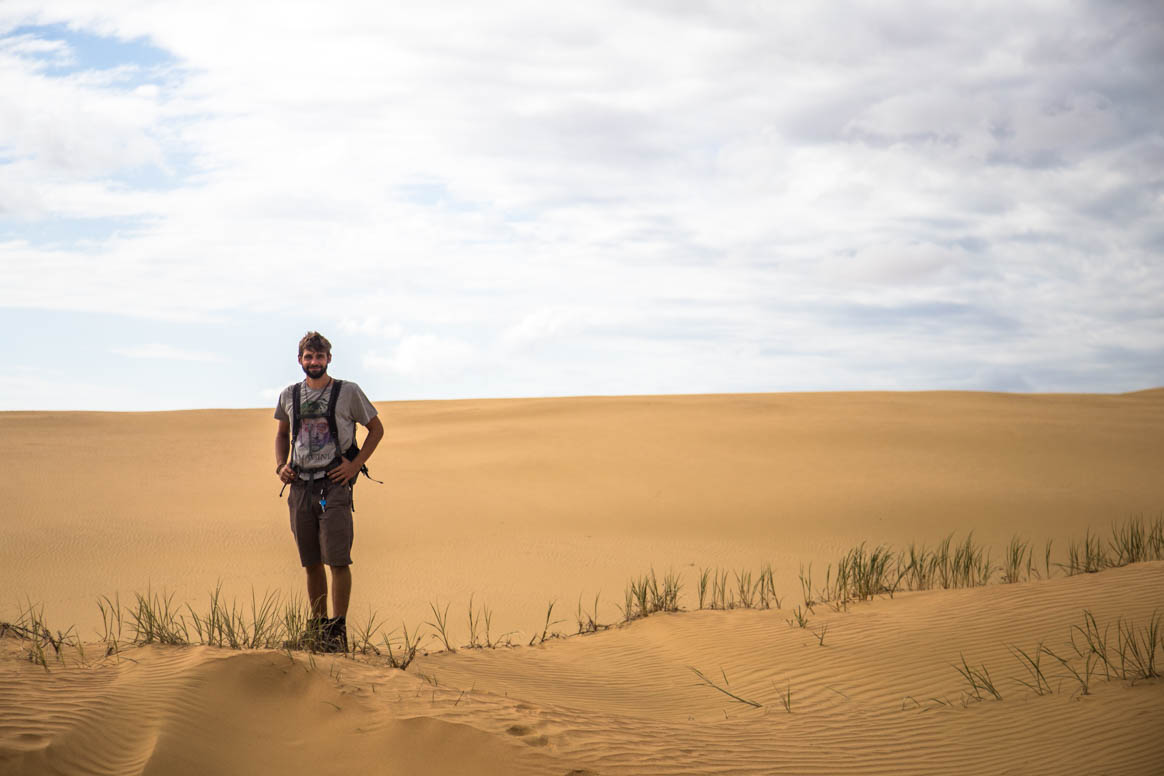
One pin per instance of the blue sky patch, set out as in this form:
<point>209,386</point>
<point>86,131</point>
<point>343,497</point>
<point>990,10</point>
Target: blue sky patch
<point>97,52</point>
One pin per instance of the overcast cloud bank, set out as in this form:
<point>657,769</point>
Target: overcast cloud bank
<point>524,199</point>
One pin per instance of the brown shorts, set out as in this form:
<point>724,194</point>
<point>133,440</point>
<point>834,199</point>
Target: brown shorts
<point>323,534</point>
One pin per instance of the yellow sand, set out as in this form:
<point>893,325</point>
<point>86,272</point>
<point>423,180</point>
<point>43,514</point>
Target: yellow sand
<point>523,502</point>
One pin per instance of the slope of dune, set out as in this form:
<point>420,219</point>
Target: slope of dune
<point>518,502</point>
<point>879,694</point>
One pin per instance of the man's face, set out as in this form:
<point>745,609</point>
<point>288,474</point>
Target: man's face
<point>314,363</point>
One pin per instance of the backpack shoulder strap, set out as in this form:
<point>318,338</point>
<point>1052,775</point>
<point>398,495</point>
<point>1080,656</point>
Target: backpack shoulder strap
<point>296,395</point>
<point>331,407</point>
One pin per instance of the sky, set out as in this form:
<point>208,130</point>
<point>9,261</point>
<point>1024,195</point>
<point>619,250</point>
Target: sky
<point>512,199</point>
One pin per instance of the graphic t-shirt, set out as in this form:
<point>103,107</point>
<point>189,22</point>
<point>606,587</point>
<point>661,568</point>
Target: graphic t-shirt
<point>314,447</point>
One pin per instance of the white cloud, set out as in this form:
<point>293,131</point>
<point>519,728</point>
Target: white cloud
<point>549,323</point>
<point>270,395</point>
<point>165,352</point>
<point>372,325</point>
<point>607,178</point>
<point>426,356</point>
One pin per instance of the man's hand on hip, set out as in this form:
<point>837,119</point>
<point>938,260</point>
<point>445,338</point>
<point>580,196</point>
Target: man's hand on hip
<point>346,471</point>
<point>286,473</point>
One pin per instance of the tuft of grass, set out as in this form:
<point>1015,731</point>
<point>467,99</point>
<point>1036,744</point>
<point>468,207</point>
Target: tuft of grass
<point>588,620</point>
<point>232,626</point>
<point>645,595</point>
<point>155,619</point>
<point>1095,641</point>
<point>979,681</point>
<point>748,592</point>
<point>721,595</point>
<point>39,641</point>
<point>361,637</point>
<point>820,634</point>
<point>1081,677</point>
<point>917,572</point>
<point>745,589</point>
<point>1018,560</point>
<point>1131,542</point>
<point>786,697</point>
<point>862,574</point>
<point>474,627</point>
<point>1133,657</point>
<point>1137,649</point>
<point>545,634</point>
<point>408,645</point>
<point>441,626</point>
<point>1087,556</point>
<point>766,588</point>
<point>1033,665</point>
<point>111,620</point>
<point>1155,540</point>
<point>806,585</point>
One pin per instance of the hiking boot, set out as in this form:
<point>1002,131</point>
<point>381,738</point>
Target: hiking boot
<point>335,635</point>
<point>312,639</point>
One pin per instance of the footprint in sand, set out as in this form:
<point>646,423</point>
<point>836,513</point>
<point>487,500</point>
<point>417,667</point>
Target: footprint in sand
<point>522,730</point>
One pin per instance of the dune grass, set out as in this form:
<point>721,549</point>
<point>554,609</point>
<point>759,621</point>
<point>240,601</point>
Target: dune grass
<point>737,588</point>
<point>863,572</point>
<point>1090,654</point>
<point>40,642</point>
<point>645,595</point>
<point>978,679</point>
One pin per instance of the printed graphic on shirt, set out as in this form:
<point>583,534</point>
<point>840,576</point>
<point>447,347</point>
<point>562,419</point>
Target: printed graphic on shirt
<point>315,434</point>
<point>314,447</point>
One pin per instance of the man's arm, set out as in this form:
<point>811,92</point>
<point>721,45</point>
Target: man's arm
<point>282,450</point>
<point>347,470</point>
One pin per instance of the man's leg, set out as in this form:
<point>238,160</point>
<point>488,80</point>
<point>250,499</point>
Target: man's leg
<point>305,528</point>
<point>336,543</point>
<point>317,590</point>
<point>341,590</point>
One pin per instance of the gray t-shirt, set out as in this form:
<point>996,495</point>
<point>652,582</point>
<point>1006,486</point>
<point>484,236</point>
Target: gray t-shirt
<point>314,448</point>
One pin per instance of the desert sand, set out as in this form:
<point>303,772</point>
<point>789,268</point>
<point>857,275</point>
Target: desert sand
<point>519,503</point>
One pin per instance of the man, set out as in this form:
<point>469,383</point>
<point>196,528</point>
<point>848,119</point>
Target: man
<point>321,465</point>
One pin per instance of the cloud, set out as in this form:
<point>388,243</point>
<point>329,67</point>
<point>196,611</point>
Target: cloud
<point>425,356</point>
<point>631,184</point>
<point>270,395</point>
<point>551,323</point>
<point>372,325</point>
<point>165,353</point>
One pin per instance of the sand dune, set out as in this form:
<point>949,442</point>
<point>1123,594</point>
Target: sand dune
<point>520,502</point>
<point>880,695</point>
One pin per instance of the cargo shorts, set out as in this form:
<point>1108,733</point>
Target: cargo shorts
<point>323,533</point>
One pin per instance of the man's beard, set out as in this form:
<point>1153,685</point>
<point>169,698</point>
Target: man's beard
<point>315,371</point>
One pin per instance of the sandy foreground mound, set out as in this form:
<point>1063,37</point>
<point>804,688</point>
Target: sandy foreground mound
<point>879,693</point>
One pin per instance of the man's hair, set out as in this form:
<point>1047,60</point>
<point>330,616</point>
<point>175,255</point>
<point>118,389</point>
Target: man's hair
<point>315,342</point>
